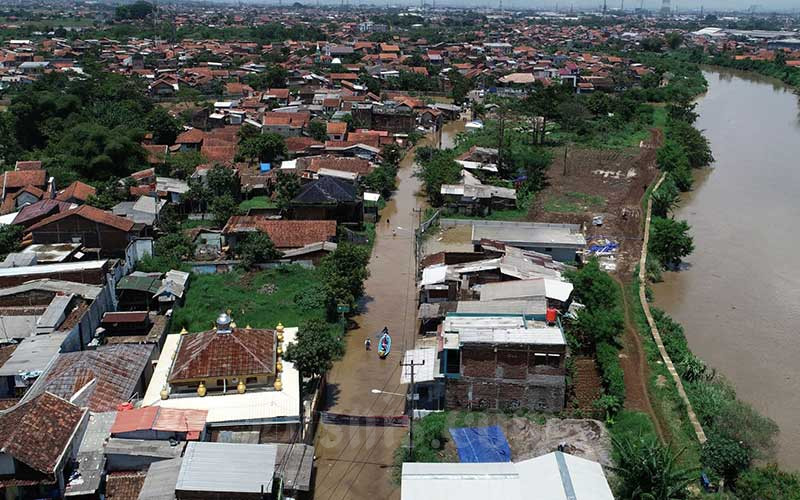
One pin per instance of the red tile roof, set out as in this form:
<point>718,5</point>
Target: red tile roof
<point>295,144</point>
<point>91,213</point>
<point>337,128</point>
<point>355,165</point>
<point>193,136</point>
<point>284,233</point>
<point>124,485</point>
<point>211,354</point>
<point>28,165</point>
<point>22,178</point>
<point>77,190</point>
<point>37,432</point>
<point>192,422</point>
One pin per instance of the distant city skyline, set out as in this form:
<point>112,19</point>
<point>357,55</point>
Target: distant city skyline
<point>652,5</point>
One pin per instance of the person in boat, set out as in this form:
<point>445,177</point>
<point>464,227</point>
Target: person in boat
<point>367,344</point>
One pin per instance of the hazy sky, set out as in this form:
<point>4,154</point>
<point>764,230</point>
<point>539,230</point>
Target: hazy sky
<point>761,5</point>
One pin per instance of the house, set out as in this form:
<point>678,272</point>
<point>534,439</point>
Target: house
<point>284,123</point>
<point>33,213</point>
<point>155,423</point>
<point>285,234</point>
<point>15,180</point>
<point>77,192</point>
<point>136,291</point>
<point>240,471</point>
<point>474,198</point>
<point>554,476</point>
<point>336,131</point>
<point>190,140</point>
<point>38,440</point>
<point>237,375</point>
<point>96,229</point>
<point>328,198</point>
<point>562,241</point>
<point>498,361</point>
<point>98,379</point>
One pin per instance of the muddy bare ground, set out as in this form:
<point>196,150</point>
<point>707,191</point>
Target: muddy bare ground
<point>607,183</point>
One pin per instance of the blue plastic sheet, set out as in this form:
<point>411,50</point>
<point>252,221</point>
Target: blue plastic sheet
<point>481,444</point>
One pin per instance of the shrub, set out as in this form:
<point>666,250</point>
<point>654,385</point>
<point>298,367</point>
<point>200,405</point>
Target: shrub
<point>725,456</point>
<point>611,371</point>
<point>768,483</point>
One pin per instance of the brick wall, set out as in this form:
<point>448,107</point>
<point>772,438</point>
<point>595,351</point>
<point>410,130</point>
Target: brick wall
<point>508,377</point>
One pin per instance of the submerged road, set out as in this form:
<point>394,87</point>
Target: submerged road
<point>356,462</point>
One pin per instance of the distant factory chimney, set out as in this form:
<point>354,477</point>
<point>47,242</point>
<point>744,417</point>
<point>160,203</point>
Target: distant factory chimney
<point>666,8</point>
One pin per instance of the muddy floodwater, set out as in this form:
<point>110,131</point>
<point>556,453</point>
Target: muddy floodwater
<point>739,301</point>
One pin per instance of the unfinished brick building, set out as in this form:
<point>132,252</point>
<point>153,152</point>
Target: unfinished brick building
<point>505,368</point>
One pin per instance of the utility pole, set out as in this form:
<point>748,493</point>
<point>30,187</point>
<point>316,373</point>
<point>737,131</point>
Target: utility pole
<point>411,365</point>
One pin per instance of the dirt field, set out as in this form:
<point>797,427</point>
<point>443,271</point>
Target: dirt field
<point>606,183</point>
<point>529,438</point>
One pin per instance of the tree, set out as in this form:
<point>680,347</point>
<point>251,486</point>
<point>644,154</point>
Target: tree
<point>136,10</point>
<point>682,109</point>
<point>670,240</point>
<point>173,248</point>
<point>693,142</point>
<point>256,248</point>
<point>315,348</point>
<point>223,207</point>
<point>164,126</point>
<point>600,325</point>
<point>648,470</point>
<point>343,273</point>
<point>183,164</point>
<point>674,40</point>
<point>246,132</point>
<point>107,194</point>
<point>265,148</point>
<point>665,198</point>
<point>392,154</point>
<point>96,152</point>
<point>222,181</point>
<point>725,456</point>
<point>198,195</point>
<point>593,287</point>
<point>318,130</point>
<point>10,238</point>
<point>460,86</point>
<point>440,169</point>
<point>780,58</point>
<point>287,186</point>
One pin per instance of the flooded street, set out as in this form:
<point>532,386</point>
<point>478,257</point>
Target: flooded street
<point>738,302</point>
<point>355,462</point>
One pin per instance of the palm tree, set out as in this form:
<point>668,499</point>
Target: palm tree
<point>648,470</point>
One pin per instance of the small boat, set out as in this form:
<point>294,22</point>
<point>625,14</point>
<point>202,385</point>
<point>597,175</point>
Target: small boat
<point>384,344</point>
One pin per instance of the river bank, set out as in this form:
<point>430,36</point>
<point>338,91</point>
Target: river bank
<point>737,295</point>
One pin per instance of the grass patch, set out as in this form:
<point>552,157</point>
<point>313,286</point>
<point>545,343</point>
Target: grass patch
<point>257,202</point>
<point>632,424</point>
<point>288,295</point>
<point>574,202</point>
<point>663,392</point>
<point>516,214</point>
<point>195,223</point>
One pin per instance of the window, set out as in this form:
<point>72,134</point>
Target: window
<point>539,359</point>
<point>251,380</point>
<point>553,360</point>
<point>220,382</point>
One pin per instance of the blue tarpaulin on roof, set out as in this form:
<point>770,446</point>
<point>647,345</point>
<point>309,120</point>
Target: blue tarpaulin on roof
<point>481,444</point>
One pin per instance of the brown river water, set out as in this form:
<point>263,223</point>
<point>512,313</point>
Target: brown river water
<point>738,300</point>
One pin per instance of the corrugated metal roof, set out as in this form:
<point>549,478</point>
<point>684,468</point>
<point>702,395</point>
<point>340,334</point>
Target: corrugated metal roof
<point>424,372</point>
<point>531,336</point>
<point>554,476</point>
<point>125,317</point>
<point>142,447</point>
<point>91,456</point>
<point>227,468</point>
<point>33,354</point>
